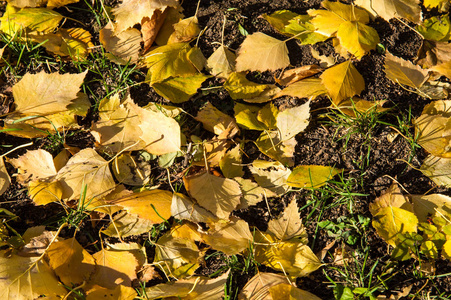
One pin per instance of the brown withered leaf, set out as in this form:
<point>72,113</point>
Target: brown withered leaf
<point>433,53</point>
<point>291,76</point>
<point>151,26</point>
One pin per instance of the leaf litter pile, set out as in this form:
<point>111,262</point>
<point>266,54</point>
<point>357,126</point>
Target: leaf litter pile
<point>229,149</point>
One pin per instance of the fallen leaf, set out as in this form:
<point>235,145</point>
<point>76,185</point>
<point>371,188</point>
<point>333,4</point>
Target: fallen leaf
<point>86,170</point>
<point>230,163</point>
<point>292,121</point>
<point>358,38</point>
<point>120,292</point>
<point>433,53</point>
<point>153,205</point>
<point>438,169</point>
<point>342,81</point>
<point>325,61</point>
<point>311,176</point>
<point>179,89</point>
<point>257,288</point>
<point>272,177</point>
<point>288,225</point>
<point>194,288</point>
<point>441,5</point>
<point>45,191</point>
<point>219,195</point>
<point>123,47</point>
<point>173,16</point>
<point>70,261</point>
<point>129,171</point>
<point>43,94</point>
<point>280,19</point>
<point>5,180</point>
<point>307,88</point>
<point>294,75</point>
<point>252,193</point>
<point>289,292</point>
<point>184,208</point>
<point>239,87</point>
<point>34,165</point>
<point>131,12</point>
<point>391,197</point>
<point>42,20</point>
<point>271,144</point>
<point>185,30</point>
<point>151,26</point>
<point>24,278</point>
<point>435,205</point>
<point>125,224</point>
<point>222,62</point>
<point>231,237</point>
<point>246,116</point>
<point>260,52</point>
<point>436,28</point>
<point>302,29</point>
<point>404,72</point>
<point>217,122</point>
<point>388,9</point>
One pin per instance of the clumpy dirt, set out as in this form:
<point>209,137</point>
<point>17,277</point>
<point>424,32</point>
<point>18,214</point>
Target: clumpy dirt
<point>322,143</point>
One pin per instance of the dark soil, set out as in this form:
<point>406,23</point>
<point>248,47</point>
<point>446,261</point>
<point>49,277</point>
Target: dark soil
<point>323,143</point>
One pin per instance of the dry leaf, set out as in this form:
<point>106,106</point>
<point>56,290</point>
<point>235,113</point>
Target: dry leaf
<point>70,261</point>
<point>184,208</point>
<point>260,52</point>
<point>311,176</point>
<point>43,94</point>
<point>86,169</point>
<point>307,88</point>
<point>131,12</point>
<point>222,62</point>
<point>252,193</point>
<point>388,9</point>
<point>179,89</point>
<point>129,171</point>
<point>271,144</point>
<point>5,180</point>
<point>342,81</point>
<point>219,195</point>
<point>291,76</point>
<point>34,165</point>
<point>292,121</point>
<point>289,292</point>
<point>42,20</point>
<point>125,224</point>
<point>257,288</point>
<point>438,169</point>
<point>272,176</point>
<point>288,225</point>
<point>230,163</point>
<point>239,87</point>
<point>120,292</point>
<point>404,72</point>
<point>124,47</point>
<point>357,38</point>
<point>185,30</point>
<point>217,122</point>
<point>153,205</point>
<point>151,26</point>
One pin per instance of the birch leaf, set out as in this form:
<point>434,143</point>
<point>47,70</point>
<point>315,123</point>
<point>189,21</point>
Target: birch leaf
<point>131,12</point>
<point>260,52</point>
<point>125,224</point>
<point>239,87</point>
<point>70,261</point>
<point>86,168</point>
<point>217,122</point>
<point>404,72</point>
<point>34,165</point>
<point>388,9</point>
<point>288,225</point>
<point>271,144</point>
<point>292,121</point>
<point>219,195</point>
<point>179,89</point>
<point>357,38</point>
<point>222,62</point>
<point>342,81</point>
<point>24,278</point>
<point>307,88</point>
<point>311,176</point>
<point>438,169</point>
<point>280,19</point>
<point>257,288</point>
<point>43,94</point>
<point>129,171</point>
<point>184,208</point>
<point>185,30</point>
<point>230,163</point>
<point>252,192</point>
<point>123,47</point>
<point>43,20</point>
<point>289,292</point>
<point>5,180</point>
<point>120,292</point>
<point>272,177</point>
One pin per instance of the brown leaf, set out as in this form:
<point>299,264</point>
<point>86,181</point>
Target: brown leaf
<point>294,75</point>
<point>151,26</point>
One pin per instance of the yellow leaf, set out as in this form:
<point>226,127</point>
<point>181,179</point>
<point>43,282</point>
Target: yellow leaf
<point>252,193</point>
<point>160,133</point>
<point>288,225</point>
<point>43,192</point>
<point>179,89</point>
<point>425,206</point>
<point>247,116</point>
<point>273,178</point>
<point>391,221</point>
<point>43,94</point>
<point>169,61</point>
<point>219,195</point>
<point>125,224</point>
<point>342,81</point>
<point>231,237</point>
<point>86,169</point>
<point>131,12</point>
<point>25,278</point>
<point>391,197</point>
<point>59,3</point>
<point>129,171</point>
<point>294,75</point>
<point>195,288</point>
<point>185,30</point>
<point>446,249</point>
<point>114,268</point>
<point>271,144</point>
<point>239,87</point>
<point>292,121</point>
<point>222,62</point>
<point>42,20</point>
<point>177,257</point>
<point>124,46</point>
<point>119,293</point>
<point>438,169</point>
<point>311,176</point>
<point>307,88</point>
<point>34,165</point>
<point>214,151</point>
<point>257,288</point>
<point>326,22</point>
<point>295,258</point>
<point>230,163</point>
<point>432,128</point>
<point>70,261</point>
<point>217,122</point>
<point>5,180</point>
<point>280,19</point>
<point>153,205</point>
<point>184,208</point>
<point>441,5</point>
<point>404,72</point>
<point>357,38</point>
<point>260,52</point>
<point>289,292</point>
<point>26,3</point>
<point>388,9</point>
<point>346,11</point>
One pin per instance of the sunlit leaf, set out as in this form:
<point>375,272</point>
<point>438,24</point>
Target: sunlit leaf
<point>179,89</point>
<point>404,72</point>
<point>222,62</point>
<point>311,176</point>
<point>239,87</point>
<point>123,47</point>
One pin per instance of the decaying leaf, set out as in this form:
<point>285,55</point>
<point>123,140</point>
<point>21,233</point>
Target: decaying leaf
<point>289,292</point>
<point>438,169</point>
<point>258,286</point>
<point>272,176</point>
<point>219,195</point>
<point>129,171</point>
<point>230,163</point>
<point>342,81</point>
<point>260,52</point>
<point>404,72</point>
<point>120,292</point>
<point>239,87</point>
<point>34,165</point>
<point>184,208</point>
<point>185,30</point>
